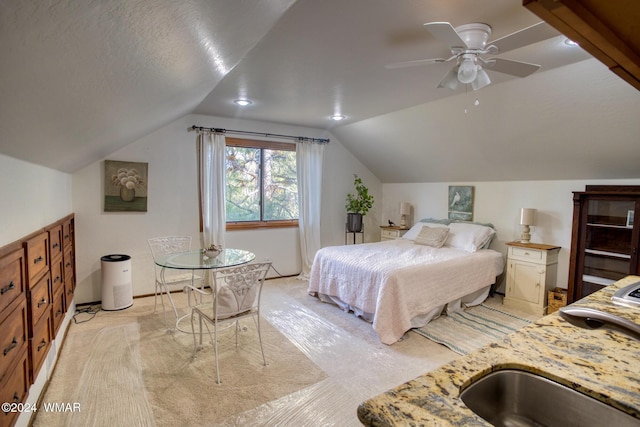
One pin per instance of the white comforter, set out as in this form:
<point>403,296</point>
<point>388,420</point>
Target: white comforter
<point>397,280</point>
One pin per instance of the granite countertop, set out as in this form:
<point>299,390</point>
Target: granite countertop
<point>598,362</point>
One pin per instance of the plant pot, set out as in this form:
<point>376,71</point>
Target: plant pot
<point>354,222</point>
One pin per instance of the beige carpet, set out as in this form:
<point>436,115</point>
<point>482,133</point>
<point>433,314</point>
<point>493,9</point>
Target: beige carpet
<point>124,368</point>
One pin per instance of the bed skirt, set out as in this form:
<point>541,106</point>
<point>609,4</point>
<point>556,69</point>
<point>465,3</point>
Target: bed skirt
<point>418,321</point>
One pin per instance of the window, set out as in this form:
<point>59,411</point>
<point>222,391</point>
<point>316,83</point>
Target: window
<point>261,184</point>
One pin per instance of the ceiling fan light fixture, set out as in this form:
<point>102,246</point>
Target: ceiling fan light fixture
<point>482,80</point>
<point>450,81</point>
<point>468,70</point>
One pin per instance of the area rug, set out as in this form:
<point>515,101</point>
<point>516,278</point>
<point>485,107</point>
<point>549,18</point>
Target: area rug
<point>471,329</point>
<point>131,354</point>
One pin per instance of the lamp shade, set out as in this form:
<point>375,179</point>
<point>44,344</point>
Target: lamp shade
<point>527,216</point>
<point>405,208</point>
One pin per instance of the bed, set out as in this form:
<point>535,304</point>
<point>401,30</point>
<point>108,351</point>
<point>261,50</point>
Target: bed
<point>405,283</point>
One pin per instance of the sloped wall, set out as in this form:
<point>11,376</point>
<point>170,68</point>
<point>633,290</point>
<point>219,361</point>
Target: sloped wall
<point>32,197</point>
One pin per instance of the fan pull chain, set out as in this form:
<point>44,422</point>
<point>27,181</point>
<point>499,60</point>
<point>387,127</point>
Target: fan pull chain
<point>466,98</point>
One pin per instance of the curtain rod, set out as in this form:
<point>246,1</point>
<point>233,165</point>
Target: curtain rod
<point>266,135</point>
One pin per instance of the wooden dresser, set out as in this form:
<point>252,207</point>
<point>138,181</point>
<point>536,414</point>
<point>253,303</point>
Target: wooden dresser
<point>37,282</point>
<point>14,367</point>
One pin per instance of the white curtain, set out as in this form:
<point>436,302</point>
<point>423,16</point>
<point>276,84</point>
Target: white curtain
<point>211,172</point>
<point>309,170</point>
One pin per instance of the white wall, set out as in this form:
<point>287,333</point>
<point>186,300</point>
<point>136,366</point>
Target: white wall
<point>499,203</point>
<point>173,205</point>
<point>32,197</point>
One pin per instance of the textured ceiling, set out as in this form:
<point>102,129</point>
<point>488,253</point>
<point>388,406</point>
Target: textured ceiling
<point>80,80</point>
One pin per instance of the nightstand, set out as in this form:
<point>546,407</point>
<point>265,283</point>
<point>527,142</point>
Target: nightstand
<point>531,272</point>
<point>391,232</point>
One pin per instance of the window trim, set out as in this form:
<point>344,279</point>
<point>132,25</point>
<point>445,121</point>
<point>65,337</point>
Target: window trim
<point>273,145</point>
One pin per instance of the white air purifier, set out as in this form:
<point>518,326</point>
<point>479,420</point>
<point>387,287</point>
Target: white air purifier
<point>117,289</point>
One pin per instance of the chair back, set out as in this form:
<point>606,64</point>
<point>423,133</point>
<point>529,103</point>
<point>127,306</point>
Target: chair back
<point>169,245</point>
<point>238,290</point>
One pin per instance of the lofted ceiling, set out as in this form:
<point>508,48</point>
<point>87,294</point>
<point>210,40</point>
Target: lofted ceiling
<point>81,79</point>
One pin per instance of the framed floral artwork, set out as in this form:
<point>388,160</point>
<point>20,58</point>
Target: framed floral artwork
<point>125,186</point>
<point>461,202</point>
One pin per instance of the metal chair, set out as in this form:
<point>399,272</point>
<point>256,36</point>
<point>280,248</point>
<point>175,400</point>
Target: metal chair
<point>236,295</point>
<point>168,277</point>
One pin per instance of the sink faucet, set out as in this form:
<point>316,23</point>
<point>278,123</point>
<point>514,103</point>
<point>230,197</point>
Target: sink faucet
<point>591,318</point>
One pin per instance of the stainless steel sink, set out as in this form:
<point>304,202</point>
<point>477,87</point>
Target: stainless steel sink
<point>517,398</point>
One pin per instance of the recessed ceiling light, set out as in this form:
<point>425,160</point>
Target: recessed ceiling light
<point>242,102</point>
<point>569,42</point>
<point>337,117</point>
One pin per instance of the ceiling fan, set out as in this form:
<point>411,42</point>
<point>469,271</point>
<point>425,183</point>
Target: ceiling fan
<point>468,44</point>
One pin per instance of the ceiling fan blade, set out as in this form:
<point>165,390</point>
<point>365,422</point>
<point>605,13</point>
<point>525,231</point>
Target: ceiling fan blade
<point>445,32</point>
<point>514,68</point>
<point>530,35</point>
<point>415,63</point>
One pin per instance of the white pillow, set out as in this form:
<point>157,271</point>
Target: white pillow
<point>468,237</point>
<point>417,227</point>
<point>432,236</point>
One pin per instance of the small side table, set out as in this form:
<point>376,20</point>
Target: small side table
<point>354,234</point>
<point>531,272</point>
<point>390,232</point>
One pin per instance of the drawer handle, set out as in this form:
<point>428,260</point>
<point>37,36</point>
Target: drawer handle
<point>68,264</point>
<point>13,345</point>
<point>58,313</point>
<point>37,260</point>
<point>57,279</point>
<point>55,245</point>
<point>42,344</point>
<point>66,236</point>
<point>42,302</point>
<point>8,288</point>
<point>527,253</point>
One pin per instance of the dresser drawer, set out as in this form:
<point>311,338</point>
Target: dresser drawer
<point>68,262</point>
<point>69,291</point>
<point>37,249</point>
<point>13,338</point>
<point>57,279</point>
<point>526,254</point>
<point>39,345</point>
<point>388,234</point>
<point>67,233</point>
<point>40,299</point>
<point>15,387</point>
<point>13,283</point>
<point>58,310</point>
<point>55,241</point>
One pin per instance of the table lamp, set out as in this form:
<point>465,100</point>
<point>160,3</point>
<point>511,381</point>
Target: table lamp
<point>526,219</point>
<point>405,210</point>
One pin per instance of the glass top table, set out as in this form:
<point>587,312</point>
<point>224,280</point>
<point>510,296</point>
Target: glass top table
<point>197,260</point>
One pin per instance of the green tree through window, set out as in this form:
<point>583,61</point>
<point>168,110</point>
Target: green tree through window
<point>261,182</point>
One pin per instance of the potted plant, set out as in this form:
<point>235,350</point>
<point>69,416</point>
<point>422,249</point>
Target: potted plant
<point>357,206</point>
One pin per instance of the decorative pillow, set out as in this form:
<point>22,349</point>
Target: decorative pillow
<point>432,236</point>
<point>469,237</point>
<point>417,227</point>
